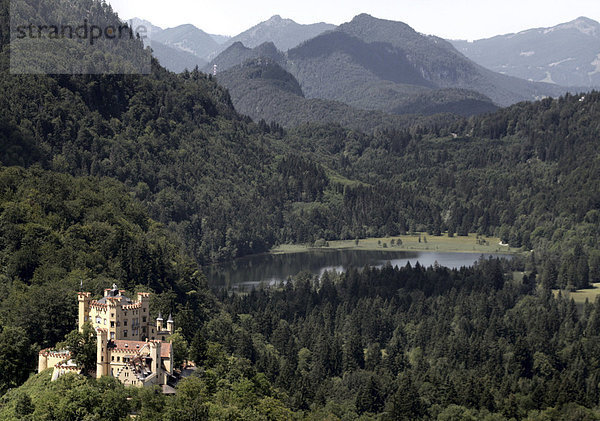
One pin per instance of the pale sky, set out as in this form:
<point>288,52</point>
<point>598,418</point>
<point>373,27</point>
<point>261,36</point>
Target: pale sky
<point>454,19</point>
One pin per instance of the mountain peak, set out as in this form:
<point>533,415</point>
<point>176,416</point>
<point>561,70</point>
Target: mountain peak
<point>277,20</point>
<point>583,19</point>
<point>582,24</point>
<point>368,22</point>
<point>372,29</point>
<point>363,16</point>
<point>284,33</point>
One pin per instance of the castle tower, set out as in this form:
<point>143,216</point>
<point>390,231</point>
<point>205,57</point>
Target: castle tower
<point>170,324</point>
<point>102,362</point>
<point>42,362</point>
<point>84,299</point>
<point>159,323</point>
<point>144,299</point>
<point>155,355</point>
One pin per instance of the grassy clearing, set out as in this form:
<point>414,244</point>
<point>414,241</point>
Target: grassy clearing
<point>470,244</point>
<point>581,295</point>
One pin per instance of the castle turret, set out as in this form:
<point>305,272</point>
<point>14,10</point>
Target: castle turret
<point>159,323</point>
<point>42,362</point>
<point>170,324</point>
<point>84,299</point>
<point>155,354</point>
<point>102,362</point>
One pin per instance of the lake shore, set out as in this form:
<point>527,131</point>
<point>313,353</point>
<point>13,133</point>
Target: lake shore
<point>415,242</point>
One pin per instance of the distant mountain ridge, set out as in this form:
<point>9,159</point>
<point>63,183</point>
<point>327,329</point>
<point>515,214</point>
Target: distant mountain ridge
<point>567,54</point>
<point>434,59</point>
<point>284,33</point>
<point>173,56</point>
<point>188,40</point>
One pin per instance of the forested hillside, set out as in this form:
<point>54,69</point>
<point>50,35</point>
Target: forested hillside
<point>527,174</point>
<point>56,232</point>
<point>229,187</point>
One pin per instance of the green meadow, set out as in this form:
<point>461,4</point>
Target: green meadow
<point>410,242</point>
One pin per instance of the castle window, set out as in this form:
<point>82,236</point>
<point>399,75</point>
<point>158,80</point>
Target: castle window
<point>112,323</point>
<point>118,359</point>
<point>112,335</point>
<point>98,320</point>
<point>104,321</point>
<point>112,314</point>
<point>125,322</point>
<point>144,318</point>
<point>125,333</point>
<point>112,358</point>
<point>144,309</point>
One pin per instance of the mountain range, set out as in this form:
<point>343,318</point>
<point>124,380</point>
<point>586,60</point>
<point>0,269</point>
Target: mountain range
<point>366,65</point>
<point>567,54</point>
<point>370,62</point>
<point>377,65</point>
<point>186,46</point>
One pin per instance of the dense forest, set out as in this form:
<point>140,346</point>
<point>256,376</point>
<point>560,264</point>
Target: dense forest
<point>139,180</point>
<point>376,344</point>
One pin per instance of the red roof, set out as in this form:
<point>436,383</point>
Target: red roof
<point>165,347</point>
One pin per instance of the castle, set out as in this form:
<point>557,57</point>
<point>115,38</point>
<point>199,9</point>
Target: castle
<point>130,346</point>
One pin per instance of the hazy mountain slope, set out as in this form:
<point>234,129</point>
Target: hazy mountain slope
<point>340,67</point>
<point>237,53</point>
<point>263,90</point>
<point>284,33</point>
<point>169,56</point>
<point>188,38</point>
<point>567,54</point>
<point>220,39</point>
<point>150,28</point>
<point>174,59</point>
<point>360,53</point>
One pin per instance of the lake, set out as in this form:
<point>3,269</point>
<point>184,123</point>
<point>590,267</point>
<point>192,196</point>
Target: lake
<point>274,268</point>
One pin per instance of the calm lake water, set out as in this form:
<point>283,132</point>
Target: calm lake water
<point>274,268</point>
